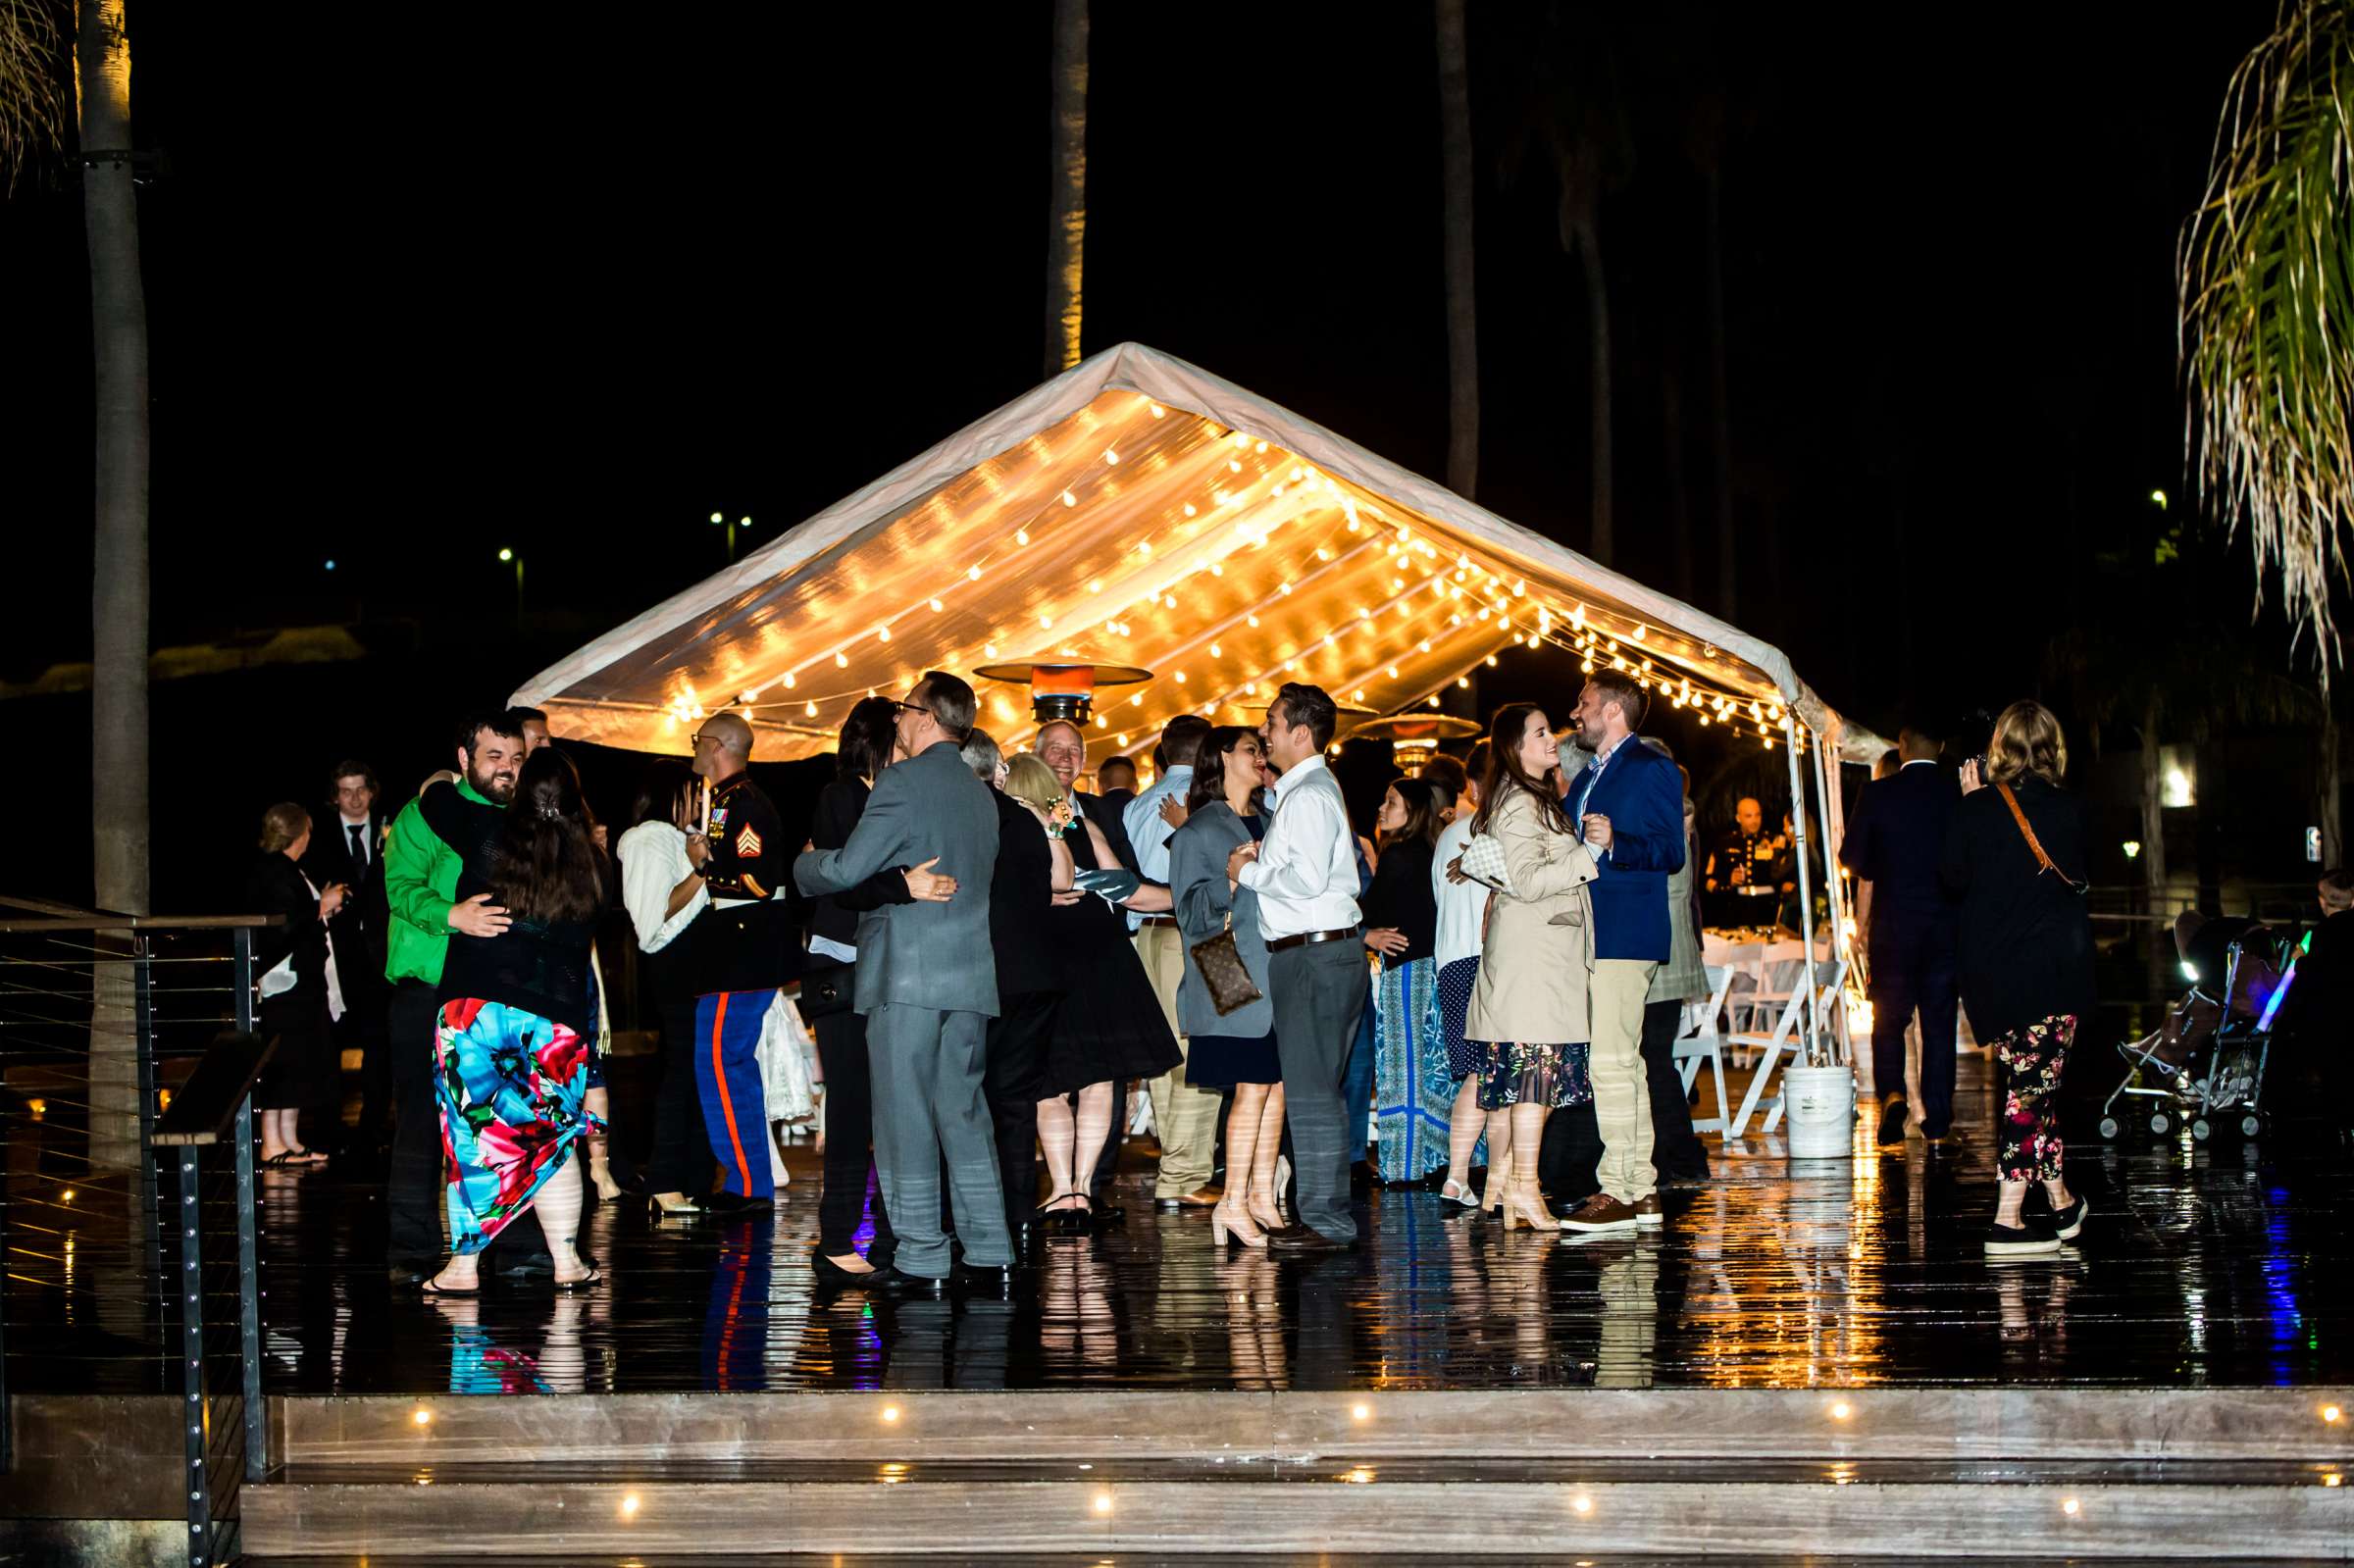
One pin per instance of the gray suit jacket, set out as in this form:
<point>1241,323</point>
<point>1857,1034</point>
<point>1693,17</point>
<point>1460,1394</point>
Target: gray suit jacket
<point>921,955</point>
<point>1197,855</point>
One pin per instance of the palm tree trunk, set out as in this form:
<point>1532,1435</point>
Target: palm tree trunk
<point>2153,852</point>
<point>1720,423</point>
<point>1462,316</point>
<point>1066,215</point>
<point>1680,505</point>
<point>1588,247</point>
<point>2333,840</point>
<point>118,332</point>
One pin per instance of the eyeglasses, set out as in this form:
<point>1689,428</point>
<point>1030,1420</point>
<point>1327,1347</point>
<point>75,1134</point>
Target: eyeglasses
<point>912,707</point>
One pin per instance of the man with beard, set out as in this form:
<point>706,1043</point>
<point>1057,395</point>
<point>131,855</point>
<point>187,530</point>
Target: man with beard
<point>421,882</point>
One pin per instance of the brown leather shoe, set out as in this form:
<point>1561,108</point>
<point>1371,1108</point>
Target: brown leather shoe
<point>1204,1198</point>
<point>1304,1240</point>
<point>1647,1213</point>
<point>1603,1213</point>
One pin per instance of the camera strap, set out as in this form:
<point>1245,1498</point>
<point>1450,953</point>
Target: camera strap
<point>2036,845</point>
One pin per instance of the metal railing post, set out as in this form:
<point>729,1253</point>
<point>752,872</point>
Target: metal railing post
<point>249,1285</point>
<point>194,1414</point>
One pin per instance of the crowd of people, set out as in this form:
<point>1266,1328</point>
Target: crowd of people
<point>989,957</point>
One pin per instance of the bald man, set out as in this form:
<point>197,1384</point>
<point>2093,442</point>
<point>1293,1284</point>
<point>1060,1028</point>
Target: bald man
<point>743,956</point>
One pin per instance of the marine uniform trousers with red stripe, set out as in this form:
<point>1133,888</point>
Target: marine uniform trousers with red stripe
<point>726,1035</point>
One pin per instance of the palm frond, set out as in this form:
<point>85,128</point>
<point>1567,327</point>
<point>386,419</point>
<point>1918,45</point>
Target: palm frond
<point>32,106</point>
<point>2266,274</point>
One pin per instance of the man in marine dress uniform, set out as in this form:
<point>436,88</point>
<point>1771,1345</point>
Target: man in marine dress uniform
<point>1740,885</point>
<point>742,954</point>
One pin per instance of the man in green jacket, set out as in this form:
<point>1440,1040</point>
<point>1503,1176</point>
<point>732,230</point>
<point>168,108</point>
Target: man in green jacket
<point>420,885</point>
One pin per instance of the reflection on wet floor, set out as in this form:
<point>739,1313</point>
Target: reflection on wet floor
<point>2202,1265</point>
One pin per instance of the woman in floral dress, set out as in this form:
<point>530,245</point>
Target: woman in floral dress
<point>511,1066</point>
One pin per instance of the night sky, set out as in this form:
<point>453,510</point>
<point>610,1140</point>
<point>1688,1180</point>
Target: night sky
<point>421,286</point>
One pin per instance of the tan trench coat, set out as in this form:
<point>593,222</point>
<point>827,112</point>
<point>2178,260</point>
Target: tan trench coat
<point>1537,954</point>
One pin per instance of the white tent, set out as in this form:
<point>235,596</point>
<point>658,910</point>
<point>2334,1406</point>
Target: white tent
<point>1139,511</point>
<point>1136,510</point>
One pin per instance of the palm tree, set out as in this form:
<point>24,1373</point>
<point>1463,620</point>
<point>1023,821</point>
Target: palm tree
<point>2266,273</point>
<point>1462,317</point>
<point>1066,211</point>
<point>118,322</point>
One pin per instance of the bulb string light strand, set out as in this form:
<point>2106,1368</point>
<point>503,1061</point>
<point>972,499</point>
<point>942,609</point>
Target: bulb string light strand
<point>1201,542</point>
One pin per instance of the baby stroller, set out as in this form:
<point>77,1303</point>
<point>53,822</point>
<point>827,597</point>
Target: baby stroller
<point>2204,1067</point>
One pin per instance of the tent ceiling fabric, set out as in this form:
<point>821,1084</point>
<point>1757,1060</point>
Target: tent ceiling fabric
<point>1136,510</point>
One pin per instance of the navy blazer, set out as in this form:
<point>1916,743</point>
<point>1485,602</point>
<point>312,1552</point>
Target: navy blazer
<point>1643,796</point>
<point>1896,842</point>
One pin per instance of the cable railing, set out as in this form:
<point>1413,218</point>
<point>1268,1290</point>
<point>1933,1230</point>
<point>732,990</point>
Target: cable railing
<point>126,1191</point>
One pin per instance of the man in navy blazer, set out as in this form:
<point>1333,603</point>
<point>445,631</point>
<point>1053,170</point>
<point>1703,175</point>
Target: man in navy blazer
<point>1893,845</point>
<point>1631,802</point>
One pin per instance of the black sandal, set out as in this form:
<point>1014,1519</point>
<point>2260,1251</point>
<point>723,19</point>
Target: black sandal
<point>286,1160</point>
<point>591,1278</point>
<point>428,1288</point>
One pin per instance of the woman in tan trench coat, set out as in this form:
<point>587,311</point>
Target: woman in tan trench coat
<point>1529,1003</point>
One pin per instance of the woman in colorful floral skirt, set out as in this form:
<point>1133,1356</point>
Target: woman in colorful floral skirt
<point>1411,1086</point>
<point>511,1066</point>
<point>2015,856</point>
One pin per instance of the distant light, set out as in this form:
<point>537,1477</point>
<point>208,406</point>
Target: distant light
<point>2158,499</point>
<point>330,565</point>
<point>422,1417</point>
<point>743,522</point>
<point>2132,848</point>
<point>506,555</point>
<point>717,518</point>
<point>2190,972</point>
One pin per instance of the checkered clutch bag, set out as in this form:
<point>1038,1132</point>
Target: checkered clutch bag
<point>1483,861</point>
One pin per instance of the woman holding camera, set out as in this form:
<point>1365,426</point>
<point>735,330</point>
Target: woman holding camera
<point>2016,858</point>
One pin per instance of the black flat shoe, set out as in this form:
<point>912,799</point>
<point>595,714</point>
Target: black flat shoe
<point>1892,1123</point>
<point>833,1274</point>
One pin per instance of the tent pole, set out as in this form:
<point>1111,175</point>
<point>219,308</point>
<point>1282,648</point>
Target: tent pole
<point>1806,888</point>
<point>1834,835</point>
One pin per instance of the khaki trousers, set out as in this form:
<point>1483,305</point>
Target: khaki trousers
<point>1185,1117</point>
<point>1621,1092</point>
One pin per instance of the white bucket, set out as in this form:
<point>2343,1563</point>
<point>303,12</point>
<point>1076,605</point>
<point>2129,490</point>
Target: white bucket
<point>1818,1109</point>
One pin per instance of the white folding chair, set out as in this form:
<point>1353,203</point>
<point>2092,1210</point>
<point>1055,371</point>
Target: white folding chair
<point>1706,1044</point>
<point>1788,1033</point>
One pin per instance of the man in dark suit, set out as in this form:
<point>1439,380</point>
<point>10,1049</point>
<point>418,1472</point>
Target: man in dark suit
<point>348,846</point>
<point>1893,845</point>
<point>927,987</point>
<point>1630,801</point>
<point>1062,748</point>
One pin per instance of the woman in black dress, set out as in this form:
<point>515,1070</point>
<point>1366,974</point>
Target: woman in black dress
<point>297,965</point>
<point>1109,1024</point>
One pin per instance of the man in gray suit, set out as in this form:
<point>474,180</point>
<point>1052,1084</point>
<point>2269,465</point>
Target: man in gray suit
<point>928,987</point>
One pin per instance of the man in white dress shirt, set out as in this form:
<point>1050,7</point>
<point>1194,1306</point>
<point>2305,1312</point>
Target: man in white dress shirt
<point>1304,874</point>
<point>1185,1117</point>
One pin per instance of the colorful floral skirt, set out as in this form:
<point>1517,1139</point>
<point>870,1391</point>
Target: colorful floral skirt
<point>2028,1134</point>
<point>1515,1072</point>
<point>510,1084</point>
<point>1413,1089</point>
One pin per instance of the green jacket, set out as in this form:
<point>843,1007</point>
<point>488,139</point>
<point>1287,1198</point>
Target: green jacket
<point>420,883</point>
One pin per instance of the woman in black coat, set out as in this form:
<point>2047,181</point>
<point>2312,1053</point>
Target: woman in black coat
<point>2016,857</point>
<point>293,963</point>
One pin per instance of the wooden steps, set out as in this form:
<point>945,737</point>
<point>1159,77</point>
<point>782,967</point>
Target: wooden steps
<point>1935,1472</point>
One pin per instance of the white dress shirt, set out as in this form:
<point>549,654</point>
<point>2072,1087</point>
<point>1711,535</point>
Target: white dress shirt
<point>1462,904</point>
<point>653,861</point>
<point>1148,835</point>
<point>365,853</point>
<point>1305,873</point>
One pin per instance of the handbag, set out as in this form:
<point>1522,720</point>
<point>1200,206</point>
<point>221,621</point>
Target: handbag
<point>1220,964</point>
<point>2079,888</point>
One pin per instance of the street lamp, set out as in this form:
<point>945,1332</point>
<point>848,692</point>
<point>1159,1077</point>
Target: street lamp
<point>506,554</point>
<point>718,518</point>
